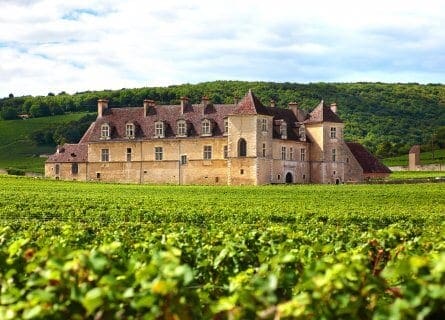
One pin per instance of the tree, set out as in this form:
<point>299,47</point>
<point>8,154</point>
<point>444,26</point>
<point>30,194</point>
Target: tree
<point>9,113</point>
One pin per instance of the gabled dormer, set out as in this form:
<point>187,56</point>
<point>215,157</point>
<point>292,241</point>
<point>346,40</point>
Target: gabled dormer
<point>105,131</point>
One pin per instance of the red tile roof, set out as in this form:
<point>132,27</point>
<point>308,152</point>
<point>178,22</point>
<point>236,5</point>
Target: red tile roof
<point>323,113</point>
<point>250,104</point>
<point>367,161</point>
<point>70,153</point>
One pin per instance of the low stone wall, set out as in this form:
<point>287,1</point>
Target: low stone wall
<point>426,167</point>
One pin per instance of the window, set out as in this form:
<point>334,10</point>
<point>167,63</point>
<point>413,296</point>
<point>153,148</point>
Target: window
<point>74,168</point>
<point>207,154</point>
<point>205,127</point>
<point>105,131</point>
<point>225,152</point>
<point>57,169</point>
<point>226,126</point>
<point>98,175</point>
<point>159,129</point>
<point>242,148</point>
<point>158,153</point>
<point>128,154</point>
<point>264,150</point>
<point>129,130</point>
<point>183,159</point>
<point>291,153</point>
<point>283,153</point>
<point>182,128</point>
<point>264,125</point>
<point>241,171</point>
<point>334,152</point>
<point>283,130</point>
<point>302,133</point>
<point>105,155</point>
<point>333,132</point>
<point>302,154</point>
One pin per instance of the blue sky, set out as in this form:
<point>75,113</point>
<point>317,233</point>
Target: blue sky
<point>53,46</point>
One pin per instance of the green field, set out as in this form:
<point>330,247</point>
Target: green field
<point>114,251</point>
<point>425,158</point>
<point>17,150</point>
<point>396,175</point>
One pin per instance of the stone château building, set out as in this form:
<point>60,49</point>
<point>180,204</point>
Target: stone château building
<point>245,143</point>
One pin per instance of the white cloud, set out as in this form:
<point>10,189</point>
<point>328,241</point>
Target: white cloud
<point>71,46</point>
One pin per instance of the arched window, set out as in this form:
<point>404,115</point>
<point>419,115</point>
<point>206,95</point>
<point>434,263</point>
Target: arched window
<point>105,131</point>
<point>242,148</point>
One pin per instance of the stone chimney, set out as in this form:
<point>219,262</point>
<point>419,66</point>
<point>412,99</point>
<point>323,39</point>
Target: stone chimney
<point>102,105</point>
<point>184,103</point>
<point>293,106</point>
<point>235,100</point>
<point>205,101</point>
<point>334,107</point>
<point>272,103</point>
<point>414,157</point>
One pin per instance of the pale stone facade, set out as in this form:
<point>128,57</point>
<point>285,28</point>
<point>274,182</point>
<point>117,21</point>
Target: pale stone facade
<point>244,143</point>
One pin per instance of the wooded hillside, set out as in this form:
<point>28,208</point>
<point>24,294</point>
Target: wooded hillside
<point>387,118</point>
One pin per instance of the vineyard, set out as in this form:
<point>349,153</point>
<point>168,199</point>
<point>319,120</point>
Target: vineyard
<point>71,250</point>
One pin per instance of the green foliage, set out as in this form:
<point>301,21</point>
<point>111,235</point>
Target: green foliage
<point>15,172</point>
<point>107,251</point>
<point>388,118</point>
<point>22,141</point>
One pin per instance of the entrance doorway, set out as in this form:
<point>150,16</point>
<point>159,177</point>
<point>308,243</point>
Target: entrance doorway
<point>289,178</point>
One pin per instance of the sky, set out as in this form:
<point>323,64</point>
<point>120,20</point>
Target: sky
<point>73,45</point>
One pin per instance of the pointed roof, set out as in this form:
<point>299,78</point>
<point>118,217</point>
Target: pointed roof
<point>367,161</point>
<point>250,104</point>
<point>70,152</point>
<point>323,113</point>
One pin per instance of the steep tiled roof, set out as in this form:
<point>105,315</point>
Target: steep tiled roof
<point>250,104</point>
<point>367,161</point>
<point>323,113</point>
<point>117,118</point>
<point>70,153</point>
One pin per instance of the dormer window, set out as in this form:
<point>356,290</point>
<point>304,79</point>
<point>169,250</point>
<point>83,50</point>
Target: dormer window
<point>206,128</point>
<point>302,133</point>
<point>226,126</point>
<point>283,130</point>
<point>129,130</point>
<point>105,131</point>
<point>182,128</point>
<point>159,129</point>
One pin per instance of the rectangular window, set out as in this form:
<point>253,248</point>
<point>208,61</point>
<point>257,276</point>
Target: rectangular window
<point>333,132</point>
<point>129,130</point>
<point>183,159</point>
<point>158,153</point>
<point>225,152</point>
<point>264,125</point>
<point>283,153</point>
<point>207,154</point>
<point>105,131</point>
<point>303,154</point>
<point>128,154</point>
<point>291,153</point>
<point>105,155</point>
<point>334,153</point>
<point>206,127</point>
<point>74,168</point>
<point>264,150</point>
<point>182,129</point>
<point>226,126</point>
<point>159,129</point>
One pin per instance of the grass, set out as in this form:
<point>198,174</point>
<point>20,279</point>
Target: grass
<point>416,174</point>
<point>17,150</point>
<point>425,158</point>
